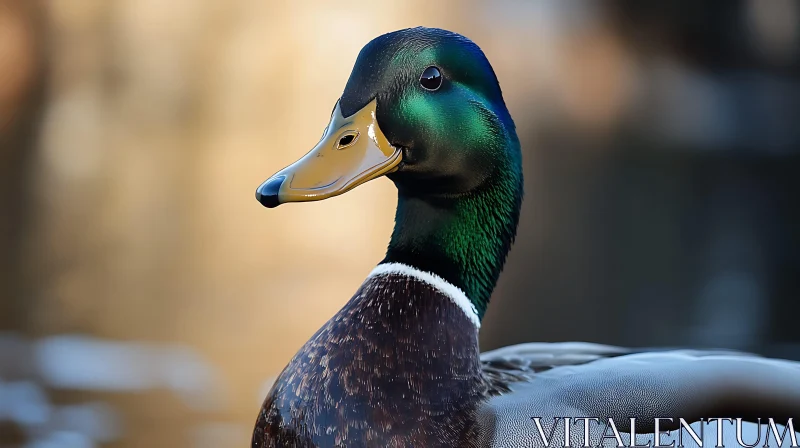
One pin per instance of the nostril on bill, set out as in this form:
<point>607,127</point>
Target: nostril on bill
<point>347,139</point>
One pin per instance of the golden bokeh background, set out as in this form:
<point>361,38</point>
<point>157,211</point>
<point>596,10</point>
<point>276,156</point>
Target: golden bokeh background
<point>148,299</point>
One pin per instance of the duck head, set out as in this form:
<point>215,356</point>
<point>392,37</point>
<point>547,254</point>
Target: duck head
<point>423,107</point>
<point>423,104</point>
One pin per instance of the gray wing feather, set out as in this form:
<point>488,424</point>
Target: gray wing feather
<point>580,380</point>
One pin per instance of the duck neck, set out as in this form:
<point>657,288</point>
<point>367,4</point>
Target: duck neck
<point>463,239</point>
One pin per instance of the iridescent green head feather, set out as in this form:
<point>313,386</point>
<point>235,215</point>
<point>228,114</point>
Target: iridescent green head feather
<point>437,126</point>
<point>453,137</point>
<point>460,180</point>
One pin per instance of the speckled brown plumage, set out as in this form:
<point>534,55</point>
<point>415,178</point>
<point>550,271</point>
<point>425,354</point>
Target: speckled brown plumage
<point>398,366</point>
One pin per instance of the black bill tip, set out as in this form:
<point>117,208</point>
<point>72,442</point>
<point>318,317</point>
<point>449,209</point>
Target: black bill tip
<point>267,193</point>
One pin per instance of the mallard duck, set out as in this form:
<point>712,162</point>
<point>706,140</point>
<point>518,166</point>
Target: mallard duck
<point>399,364</point>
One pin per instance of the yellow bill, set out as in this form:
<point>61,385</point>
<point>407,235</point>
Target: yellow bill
<point>352,151</point>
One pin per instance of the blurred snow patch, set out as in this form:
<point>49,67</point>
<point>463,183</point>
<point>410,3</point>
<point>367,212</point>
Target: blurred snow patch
<point>24,403</point>
<point>63,439</point>
<point>82,362</point>
<point>98,421</point>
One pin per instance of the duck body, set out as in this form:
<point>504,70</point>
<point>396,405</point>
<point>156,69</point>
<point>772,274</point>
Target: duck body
<point>367,378</point>
<point>399,364</point>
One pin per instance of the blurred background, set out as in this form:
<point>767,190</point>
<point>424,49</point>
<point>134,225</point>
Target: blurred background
<point>147,299</point>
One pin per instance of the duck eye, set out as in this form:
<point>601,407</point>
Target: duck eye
<point>347,139</point>
<point>431,79</point>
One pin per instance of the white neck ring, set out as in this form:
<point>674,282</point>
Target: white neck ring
<point>453,292</point>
